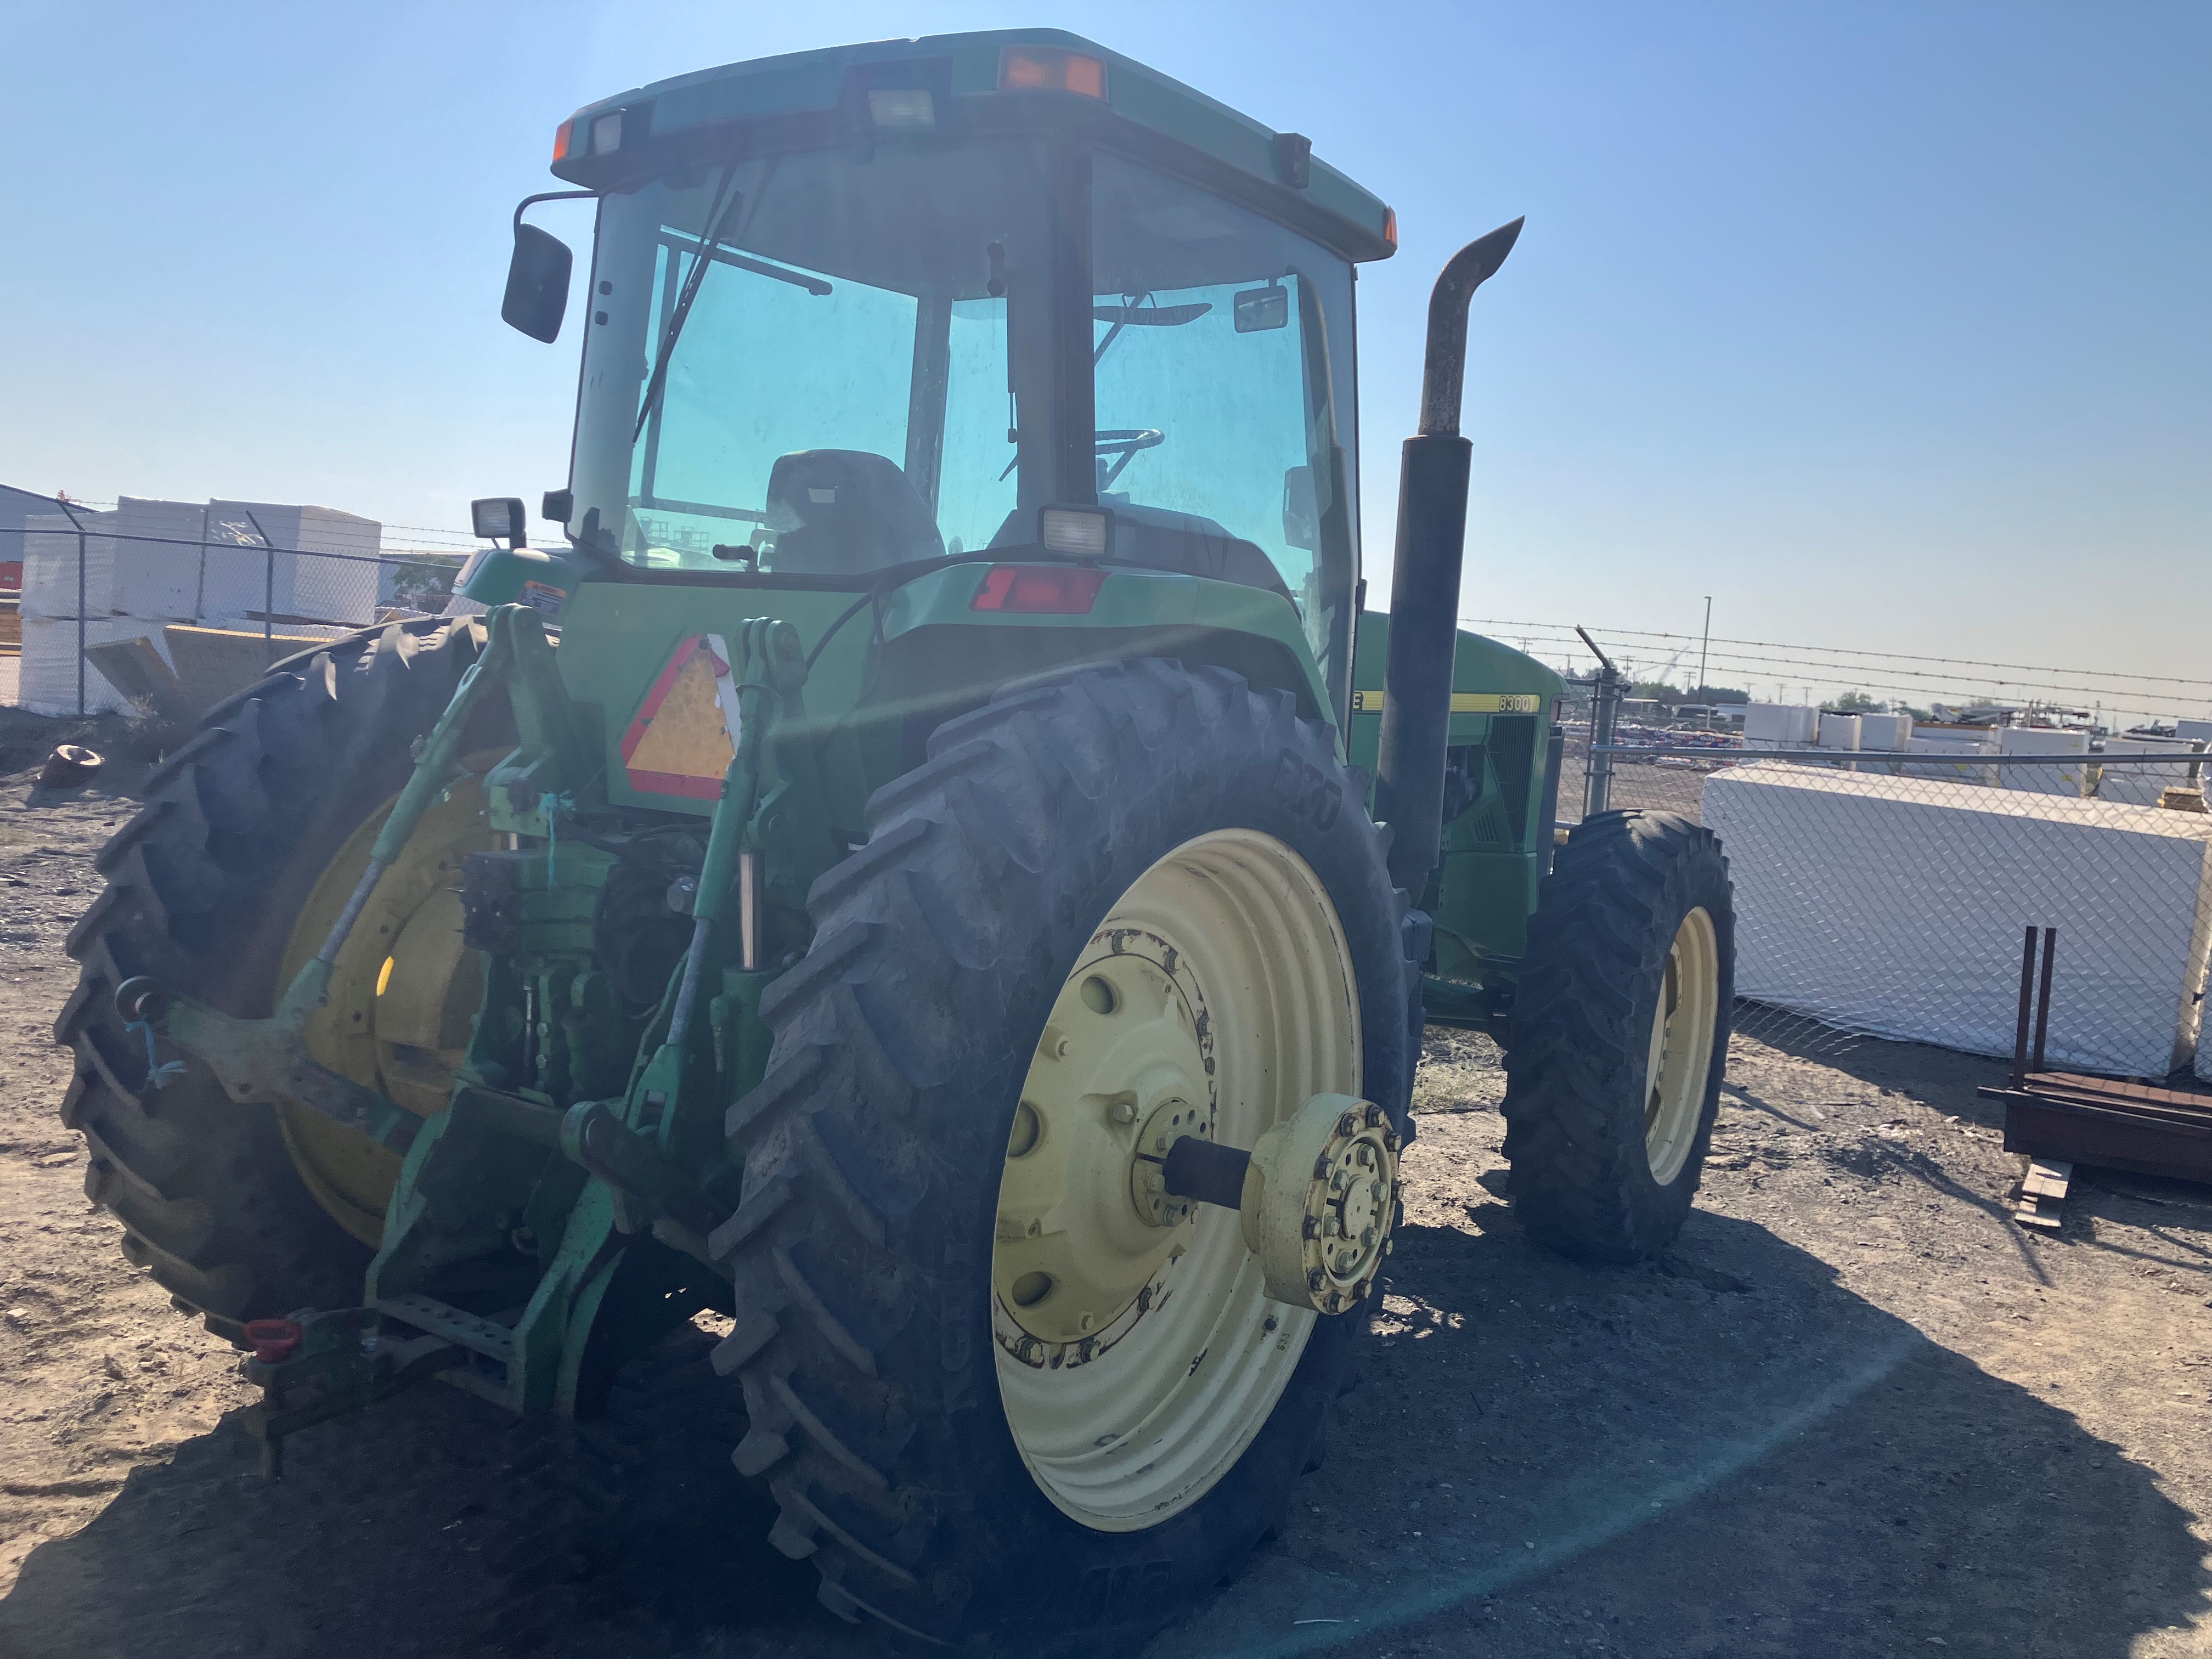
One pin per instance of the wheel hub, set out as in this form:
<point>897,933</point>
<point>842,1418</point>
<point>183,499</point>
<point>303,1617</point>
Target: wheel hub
<point>1320,1201</point>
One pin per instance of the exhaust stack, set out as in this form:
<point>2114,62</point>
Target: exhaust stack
<point>1424,574</point>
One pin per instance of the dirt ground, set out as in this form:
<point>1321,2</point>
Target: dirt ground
<point>1855,1412</point>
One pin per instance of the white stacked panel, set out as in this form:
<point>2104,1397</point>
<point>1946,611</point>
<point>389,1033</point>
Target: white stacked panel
<point>158,557</point>
<point>1889,732</point>
<point>51,550</point>
<point>1839,731</point>
<point>1949,757</point>
<point>1895,906</point>
<point>46,681</point>
<point>1778,725</point>
<point>339,590</point>
<point>2043,740</point>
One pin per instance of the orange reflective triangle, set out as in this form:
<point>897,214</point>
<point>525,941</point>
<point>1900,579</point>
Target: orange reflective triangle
<point>679,740</point>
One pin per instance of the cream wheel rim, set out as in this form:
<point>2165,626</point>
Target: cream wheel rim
<point>402,995</point>
<point>1138,1351</point>
<point>1681,1054</point>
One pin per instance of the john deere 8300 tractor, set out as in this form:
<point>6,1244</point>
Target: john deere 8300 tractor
<point>930,871</point>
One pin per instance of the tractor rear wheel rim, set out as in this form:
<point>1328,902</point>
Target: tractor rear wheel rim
<point>401,995</point>
<point>1138,1351</point>
<point>1681,1051</point>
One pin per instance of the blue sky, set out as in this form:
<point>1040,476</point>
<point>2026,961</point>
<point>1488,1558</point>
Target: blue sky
<point>1884,323</point>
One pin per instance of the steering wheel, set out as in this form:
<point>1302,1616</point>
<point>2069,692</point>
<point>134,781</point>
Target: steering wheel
<point>1125,441</point>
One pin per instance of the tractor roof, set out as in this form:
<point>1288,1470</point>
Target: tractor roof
<point>1061,77</point>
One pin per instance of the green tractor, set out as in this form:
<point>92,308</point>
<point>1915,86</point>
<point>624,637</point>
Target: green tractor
<point>933,876</point>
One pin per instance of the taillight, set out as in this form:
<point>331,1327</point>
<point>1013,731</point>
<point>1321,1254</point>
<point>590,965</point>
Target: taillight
<point>1051,68</point>
<point>1039,590</point>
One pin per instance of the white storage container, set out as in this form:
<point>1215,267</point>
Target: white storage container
<point>1895,906</point>
<point>1839,731</point>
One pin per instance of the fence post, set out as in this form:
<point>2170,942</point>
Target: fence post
<point>1605,706</point>
<point>268,591</point>
<point>81,598</point>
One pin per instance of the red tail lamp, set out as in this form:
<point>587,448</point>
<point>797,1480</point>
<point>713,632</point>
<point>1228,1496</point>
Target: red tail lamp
<point>1039,590</point>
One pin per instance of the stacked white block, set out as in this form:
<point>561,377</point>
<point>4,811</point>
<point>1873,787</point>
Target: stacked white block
<point>242,581</point>
<point>1885,731</point>
<point>1839,731</point>
<point>1778,725</point>
<point>1951,757</point>
<point>51,553</point>
<point>158,557</point>
<point>1895,906</point>
<point>2043,740</point>
<point>46,675</point>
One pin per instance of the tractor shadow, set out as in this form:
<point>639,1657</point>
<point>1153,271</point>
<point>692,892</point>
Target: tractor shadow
<point>1724,1453</point>
<point>431,1526</point>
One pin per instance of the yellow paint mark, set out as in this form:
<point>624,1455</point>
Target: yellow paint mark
<point>1462,702</point>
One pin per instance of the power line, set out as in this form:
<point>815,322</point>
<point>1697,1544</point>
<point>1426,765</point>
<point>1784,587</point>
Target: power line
<point>1841,650</point>
<point>1847,674</point>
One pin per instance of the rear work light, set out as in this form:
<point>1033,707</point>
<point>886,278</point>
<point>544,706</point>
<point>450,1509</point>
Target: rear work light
<point>1039,590</point>
<point>902,109</point>
<point>1081,533</point>
<point>1050,69</point>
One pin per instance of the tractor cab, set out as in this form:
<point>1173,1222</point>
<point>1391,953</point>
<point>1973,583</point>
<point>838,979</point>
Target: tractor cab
<point>854,311</point>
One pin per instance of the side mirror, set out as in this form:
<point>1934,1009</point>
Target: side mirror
<point>1301,510</point>
<point>537,285</point>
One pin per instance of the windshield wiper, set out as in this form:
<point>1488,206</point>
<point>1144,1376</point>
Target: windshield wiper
<point>726,202</point>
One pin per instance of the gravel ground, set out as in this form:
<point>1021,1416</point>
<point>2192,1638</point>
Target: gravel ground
<point>1855,1411</point>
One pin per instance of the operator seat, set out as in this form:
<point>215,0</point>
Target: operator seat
<point>845,512</point>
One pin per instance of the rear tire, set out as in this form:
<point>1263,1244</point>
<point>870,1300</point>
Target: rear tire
<point>1606,1157</point>
<point>204,886</point>
<point>874,1148</point>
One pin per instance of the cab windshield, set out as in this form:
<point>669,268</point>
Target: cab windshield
<point>817,366</point>
<point>847,338</point>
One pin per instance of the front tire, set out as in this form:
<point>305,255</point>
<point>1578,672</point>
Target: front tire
<point>874,1346</point>
<point>1619,1036</point>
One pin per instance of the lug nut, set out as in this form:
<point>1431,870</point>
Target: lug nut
<point>1348,1124</point>
<point>1310,1228</point>
<point>1315,1278</point>
<point>1031,1350</point>
<point>1330,1226</point>
<point>1367,1239</point>
<point>1123,1111</point>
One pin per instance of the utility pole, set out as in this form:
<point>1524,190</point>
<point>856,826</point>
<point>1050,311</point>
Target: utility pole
<point>1704,695</point>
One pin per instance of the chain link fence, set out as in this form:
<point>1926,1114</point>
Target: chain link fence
<point>177,604</point>
<point>1884,893</point>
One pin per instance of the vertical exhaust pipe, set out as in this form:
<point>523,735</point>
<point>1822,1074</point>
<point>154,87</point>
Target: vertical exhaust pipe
<point>1424,576</point>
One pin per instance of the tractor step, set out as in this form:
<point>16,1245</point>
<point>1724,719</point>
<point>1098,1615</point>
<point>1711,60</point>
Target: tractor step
<point>474,1332</point>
